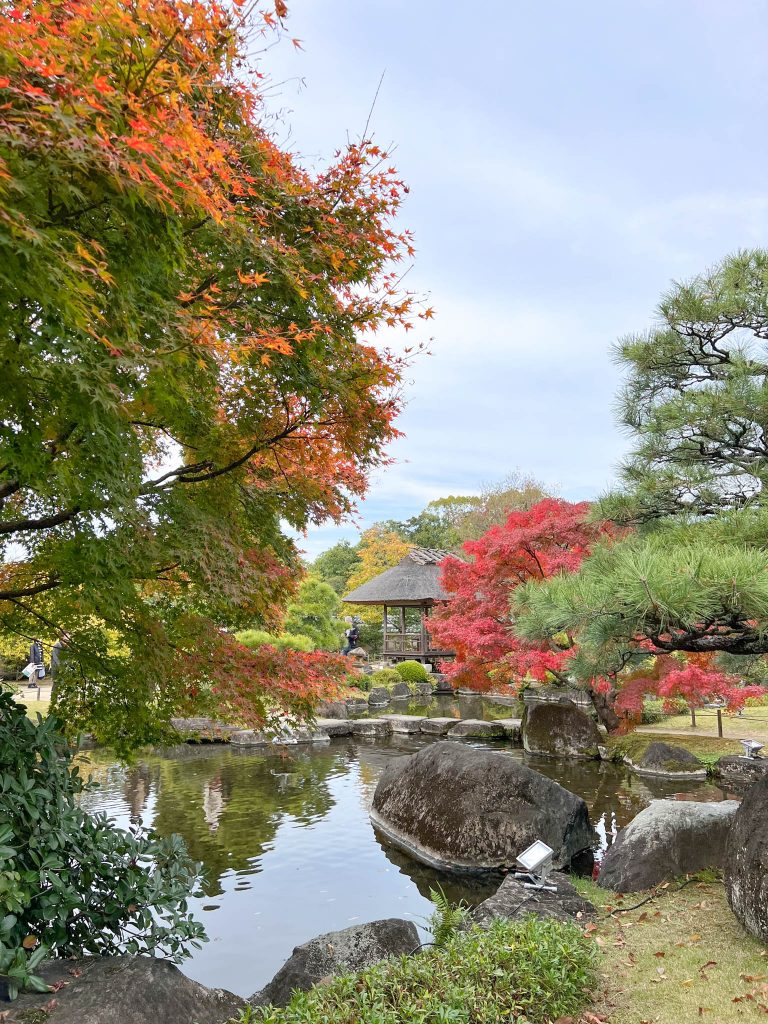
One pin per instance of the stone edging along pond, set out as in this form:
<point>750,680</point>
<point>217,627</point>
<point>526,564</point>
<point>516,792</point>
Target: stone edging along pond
<point>730,768</point>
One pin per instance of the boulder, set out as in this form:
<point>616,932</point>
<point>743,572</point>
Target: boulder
<point>400,691</point>
<point>379,695</point>
<point>423,688</point>
<point>121,990</point>
<point>404,723</point>
<point>746,861</point>
<point>442,684</point>
<point>476,729</point>
<point>437,726</point>
<point>335,953</point>
<point>667,761</point>
<point>356,704</point>
<point>742,770</point>
<point>460,808</point>
<point>513,899</point>
<point>359,654</point>
<point>668,839</point>
<point>371,727</point>
<point>332,709</point>
<point>560,730</point>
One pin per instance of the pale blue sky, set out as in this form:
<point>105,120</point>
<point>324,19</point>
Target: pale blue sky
<point>566,162</point>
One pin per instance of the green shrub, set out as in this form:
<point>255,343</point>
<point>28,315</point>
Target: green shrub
<point>530,970</point>
<point>290,641</point>
<point>385,677</point>
<point>411,671</point>
<point>653,711</point>
<point>71,883</point>
<point>360,680</point>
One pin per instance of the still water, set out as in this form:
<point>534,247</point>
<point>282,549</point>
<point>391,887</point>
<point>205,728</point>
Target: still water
<point>287,847</point>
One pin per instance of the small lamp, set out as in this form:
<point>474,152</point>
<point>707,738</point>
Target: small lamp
<point>536,862</point>
<point>751,748</point>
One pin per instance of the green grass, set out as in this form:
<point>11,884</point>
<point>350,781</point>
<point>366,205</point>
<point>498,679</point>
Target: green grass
<point>529,971</point>
<point>753,725</point>
<point>707,748</point>
<point>679,959</point>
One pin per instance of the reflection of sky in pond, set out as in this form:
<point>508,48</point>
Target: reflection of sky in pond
<point>288,848</point>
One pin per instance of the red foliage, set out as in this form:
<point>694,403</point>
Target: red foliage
<point>697,682</point>
<point>263,687</point>
<point>550,538</point>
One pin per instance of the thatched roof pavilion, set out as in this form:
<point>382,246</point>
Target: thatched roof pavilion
<point>407,593</point>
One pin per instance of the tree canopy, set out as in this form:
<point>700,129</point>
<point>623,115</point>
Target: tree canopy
<point>186,342</point>
<point>691,577</point>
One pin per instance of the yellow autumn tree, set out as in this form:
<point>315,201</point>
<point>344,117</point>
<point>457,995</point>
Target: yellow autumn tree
<point>379,549</point>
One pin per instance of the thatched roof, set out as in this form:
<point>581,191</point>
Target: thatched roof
<point>415,580</point>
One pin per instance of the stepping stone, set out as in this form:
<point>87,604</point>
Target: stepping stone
<point>371,727</point>
<point>404,723</point>
<point>476,728</point>
<point>437,726</point>
<point>334,726</point>
<point>513,728</point>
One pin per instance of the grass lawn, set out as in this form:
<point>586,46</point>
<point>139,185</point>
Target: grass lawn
<point>752,725</point>
<point>707,748</point>
<point>681,958</point>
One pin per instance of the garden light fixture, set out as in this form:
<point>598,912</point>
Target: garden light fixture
<point>751,748</point>
<point>536,862</point>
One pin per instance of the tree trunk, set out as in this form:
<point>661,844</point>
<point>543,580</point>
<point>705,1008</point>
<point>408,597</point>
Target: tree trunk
<point>604,707</point>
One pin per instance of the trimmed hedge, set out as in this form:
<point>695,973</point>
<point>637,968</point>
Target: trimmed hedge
<point>530,971</point>
<point>411,672</point>
<point>385,677</point>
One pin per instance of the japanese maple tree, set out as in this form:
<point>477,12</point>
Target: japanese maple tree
<point>551,537</point>
<point>186,342</point>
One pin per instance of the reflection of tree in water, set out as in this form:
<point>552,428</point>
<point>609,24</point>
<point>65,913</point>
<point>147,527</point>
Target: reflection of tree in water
<point>228,805</point>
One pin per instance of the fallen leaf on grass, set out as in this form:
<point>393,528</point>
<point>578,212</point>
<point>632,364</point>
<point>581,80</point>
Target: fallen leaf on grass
<point>660,953</point>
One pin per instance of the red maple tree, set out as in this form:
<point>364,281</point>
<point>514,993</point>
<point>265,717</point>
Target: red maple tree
<point>551,537</point>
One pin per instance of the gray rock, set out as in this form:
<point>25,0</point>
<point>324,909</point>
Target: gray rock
<point>379,695</point>
<point>332,709</point>
<point>356,704</point>
<point>122,990</point>
<point>248,738</point>
<point>475,728</point>
<point>460,808</point>
<point>404,723</point>
<point>668,839</point>
<point>359,654</point>
<point>560,730</point>
<point>371,727</point>
<point>442,684</point>
<point>334,726</point>
<point>513,728</point>
<point>513,899</point>
<point>336,953</point>
<point>739,769</point>
<point>204,730</point>
<point>746,861</point>
<point>400,691</point>
<point>437,726</point>
<point>667,761</point>
<point>423,688</point>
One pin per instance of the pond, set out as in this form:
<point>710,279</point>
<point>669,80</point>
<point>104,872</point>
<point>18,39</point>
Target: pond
<point>287,846</point>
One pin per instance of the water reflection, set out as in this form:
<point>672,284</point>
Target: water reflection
<point>287,846</point>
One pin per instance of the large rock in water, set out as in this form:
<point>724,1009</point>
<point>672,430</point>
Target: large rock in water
<point>463,809</point>
<point>336,952</point>
<point>560,730</point>
<point>746,861</point>
<point>513,899</point>
<point>668,839</point>
<point>122,990</point>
